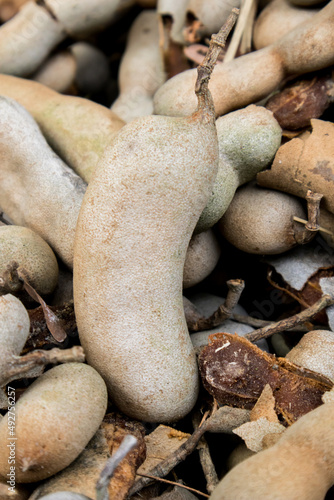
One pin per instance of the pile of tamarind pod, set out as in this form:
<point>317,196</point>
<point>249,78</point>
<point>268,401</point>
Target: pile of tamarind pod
<point>153,154</point>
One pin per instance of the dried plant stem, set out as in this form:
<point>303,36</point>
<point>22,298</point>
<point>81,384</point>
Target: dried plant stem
<point>20,366</point>
<point>205,459</point>
<point>245,11</point>
<point>259,323</point>
<point>204,70</point>
<point>166,465</point>
<point>247,36</point>
<point>235,288</point>
<point>313,212</point>
<point>175,484</point>
<point>128,443</point>
<point>288,323</point>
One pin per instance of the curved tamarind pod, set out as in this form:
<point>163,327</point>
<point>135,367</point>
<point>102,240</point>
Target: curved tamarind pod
<point>299,465</point>
<point>141,71</point>
<point>276,19</point>
<point>137,217</point>
<point>27,39</point>
<point>248,140</point>
<point>37,189</point>
<point>252,77</point>
<point>77,129</point>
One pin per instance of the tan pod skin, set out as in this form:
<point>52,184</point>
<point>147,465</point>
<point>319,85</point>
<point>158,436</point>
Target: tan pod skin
<point>252,77</point>
<point>211,13</point>
<point>299,466</point>
<point>136,221</point>
<point>141,71</point>
<point>14,331</point>
<point>276,19</point>
<point>37,189</point>
<point>55,419</point>
<point>27,39</point>
<point>35,258</point>
<point>132,236</point>
<point>77,129</point>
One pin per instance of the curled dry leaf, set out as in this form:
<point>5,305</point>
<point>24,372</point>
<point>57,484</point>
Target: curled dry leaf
<point>254,433</point>
<point>264,425</point>
<point>40,335</point>
<point>159,445</point>
<point>235,372</point>
<point>302,271</point>
<point>306,162</point>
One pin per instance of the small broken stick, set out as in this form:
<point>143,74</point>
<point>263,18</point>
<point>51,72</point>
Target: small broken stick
<point>128,443</point>
<point>235,288</point>
<point>205,459</point>
<point>31,365</point>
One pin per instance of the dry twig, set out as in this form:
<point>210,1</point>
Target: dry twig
<point>235,288</point>
<point>165,466</point>
<point>174,483</point>
<point>20,366</point>
<point>288,323</point>
<point>205,459</point>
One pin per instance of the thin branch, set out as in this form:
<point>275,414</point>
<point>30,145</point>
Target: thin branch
<point>174,483</point>
<point>245,12</point>
<point>235,288</point>
<point>204,70</point>
<point>20,366</point>
<point>259,323</point>
<point>102,485</point>
<point>288,323</point>
<point>165,466</point>
<point>208,467</point>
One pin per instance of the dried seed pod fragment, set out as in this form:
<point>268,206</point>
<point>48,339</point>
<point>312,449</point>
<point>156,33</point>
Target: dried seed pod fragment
<point>306,162</point>
<point>81,476</point>
<point>299,102</point>
<point>235,372</point>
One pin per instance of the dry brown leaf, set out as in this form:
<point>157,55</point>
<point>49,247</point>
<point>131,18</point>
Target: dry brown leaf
<point>253,433</point>
<point>306,162</point>
<point>52,321</point>
<point>40,335</point>
<point>265,406</point>
<point>159,445</point>
<point>227,418</point>
<point>235,372</point>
